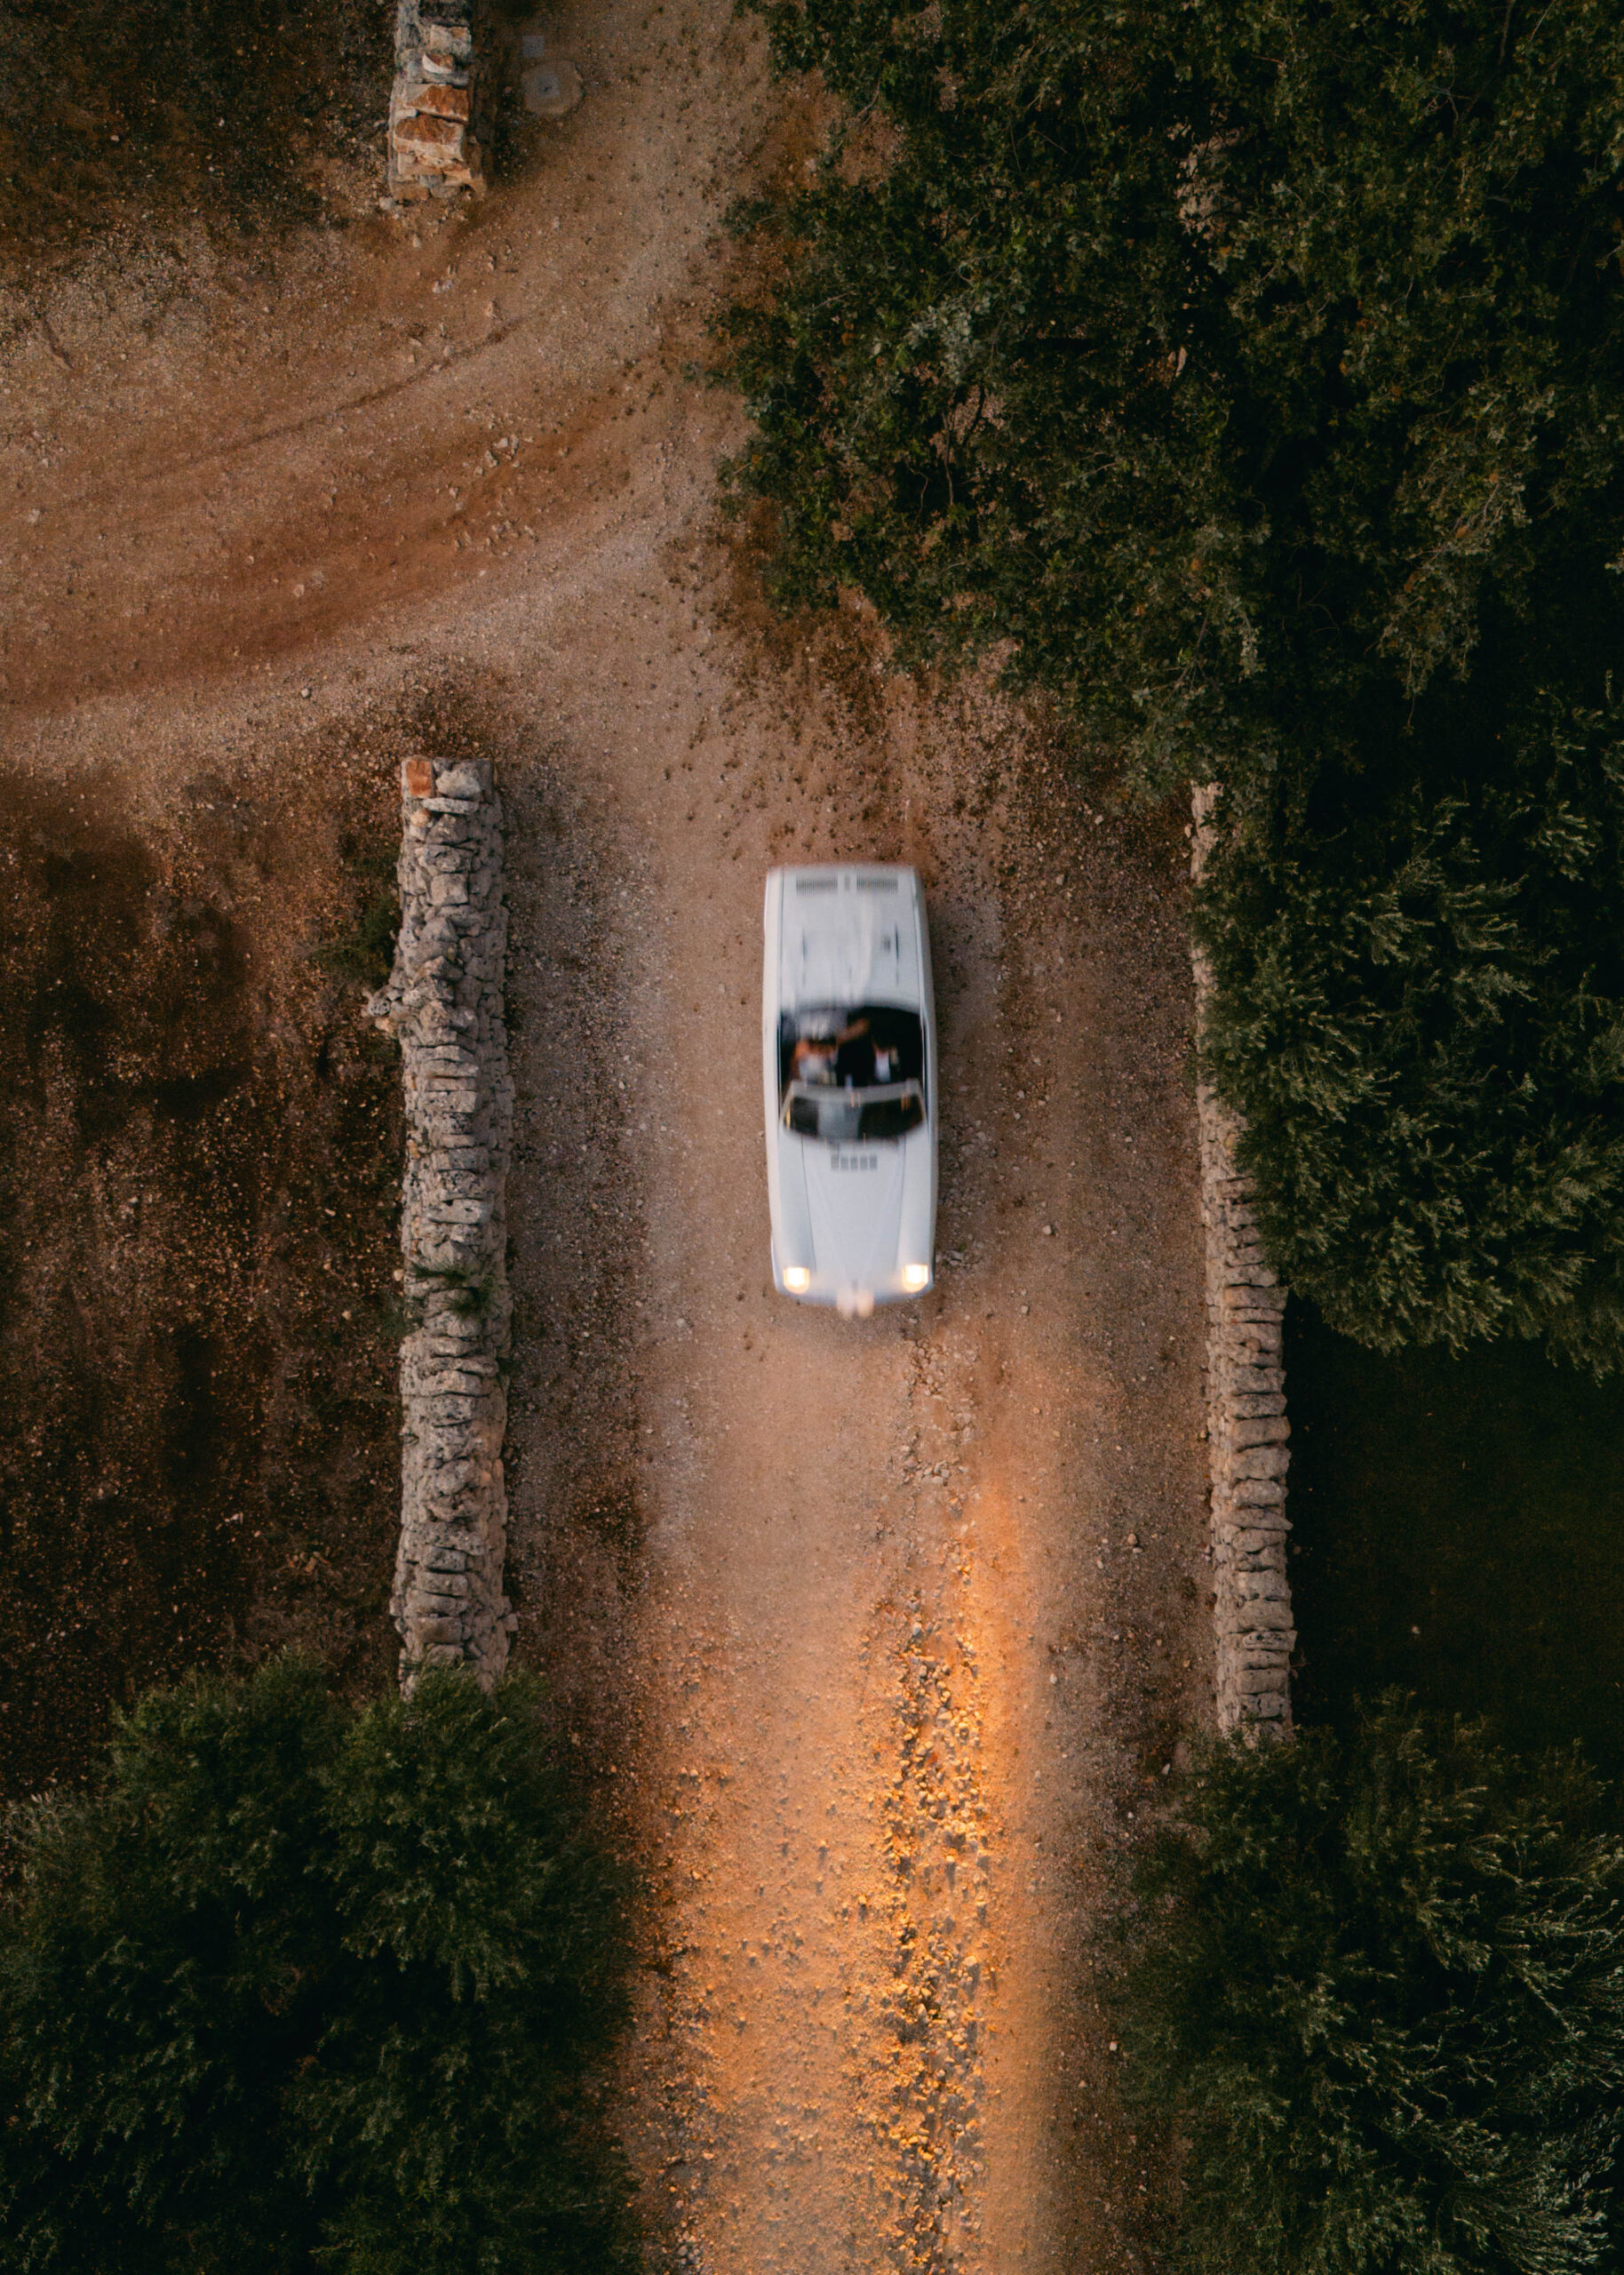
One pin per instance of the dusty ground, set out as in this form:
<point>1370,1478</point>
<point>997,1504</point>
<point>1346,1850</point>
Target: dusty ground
<point>198,1158</point>
<point>875,1636</point>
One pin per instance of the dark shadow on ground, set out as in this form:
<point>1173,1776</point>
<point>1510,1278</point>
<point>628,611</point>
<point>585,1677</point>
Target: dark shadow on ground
<point>171,113</point>
<point>1459,1531</point>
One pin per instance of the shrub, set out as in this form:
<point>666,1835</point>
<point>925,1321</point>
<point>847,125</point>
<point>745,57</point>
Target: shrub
<point>296,1987</point>
<point>1235,371</point>
<point>1381,1994</point>
<point>1420,1005</point>
<point>367,954</point>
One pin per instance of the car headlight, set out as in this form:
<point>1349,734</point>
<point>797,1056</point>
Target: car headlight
<point>916,1276</point>
<point>797,1278</point>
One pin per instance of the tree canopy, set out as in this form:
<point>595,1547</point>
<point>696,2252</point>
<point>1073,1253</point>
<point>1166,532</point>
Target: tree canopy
<point>1244,364</point>
<point>1378,1988</point>
<point>1421,1001</point>
<point>1247,376</point>
<point>295,1987</point>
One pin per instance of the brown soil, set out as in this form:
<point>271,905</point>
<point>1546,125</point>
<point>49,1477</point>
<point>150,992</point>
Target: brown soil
<point>876,1636</point>
<point>198,1155</point>
<point>235,115</point>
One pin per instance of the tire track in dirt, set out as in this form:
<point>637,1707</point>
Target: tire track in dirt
<point>271,492</point>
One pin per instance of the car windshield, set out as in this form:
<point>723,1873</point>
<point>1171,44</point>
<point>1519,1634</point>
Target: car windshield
<point>852,1070</point>
<point>845,1116</point>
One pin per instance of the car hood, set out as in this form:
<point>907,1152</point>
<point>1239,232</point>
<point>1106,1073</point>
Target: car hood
<point>853,1206</point>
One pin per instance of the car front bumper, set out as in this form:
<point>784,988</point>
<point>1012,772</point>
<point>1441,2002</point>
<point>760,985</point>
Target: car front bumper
<point>851,1301</point>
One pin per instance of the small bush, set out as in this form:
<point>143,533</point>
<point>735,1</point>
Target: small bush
<point>297,1988</point>
<point>366,954</point>
<point>470,1295</point>
<point>1382,1996</point>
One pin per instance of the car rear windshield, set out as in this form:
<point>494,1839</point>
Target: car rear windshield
<point>850,1047</point>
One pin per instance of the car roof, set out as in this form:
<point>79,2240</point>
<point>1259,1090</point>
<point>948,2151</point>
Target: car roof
<point>850,934</point>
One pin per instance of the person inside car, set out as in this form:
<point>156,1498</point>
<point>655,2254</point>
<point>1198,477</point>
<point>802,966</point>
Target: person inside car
<point>813,1059</point>
<point>853,1057</point>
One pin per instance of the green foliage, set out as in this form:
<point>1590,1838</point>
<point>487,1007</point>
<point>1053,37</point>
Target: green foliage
<point>366,954</point>
<point>1381,1994</point>
<point>1422,1003</point>
<point>1248,376</point>
<point>296,1988</point>
<point>1237,363</point>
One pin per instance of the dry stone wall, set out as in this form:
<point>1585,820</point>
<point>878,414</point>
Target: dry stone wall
<point>1246,1421</point>
<point>443,92</point>
<point>444,1004</point>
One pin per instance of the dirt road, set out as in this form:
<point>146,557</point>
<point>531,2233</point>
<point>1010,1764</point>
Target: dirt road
<point>877,1634</point>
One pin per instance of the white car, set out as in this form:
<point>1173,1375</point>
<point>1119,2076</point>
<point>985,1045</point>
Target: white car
<point>849,1063</point>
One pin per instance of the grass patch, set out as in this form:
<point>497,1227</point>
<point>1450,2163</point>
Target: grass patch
<point>364,952</point>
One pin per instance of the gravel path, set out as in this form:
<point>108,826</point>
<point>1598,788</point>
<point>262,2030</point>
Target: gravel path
<point>876,1635</point>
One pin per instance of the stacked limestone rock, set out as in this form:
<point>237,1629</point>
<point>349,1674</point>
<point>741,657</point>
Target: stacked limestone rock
<point>436,109</point>
<point>1247,1425</point>
<point>444,1002</point>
